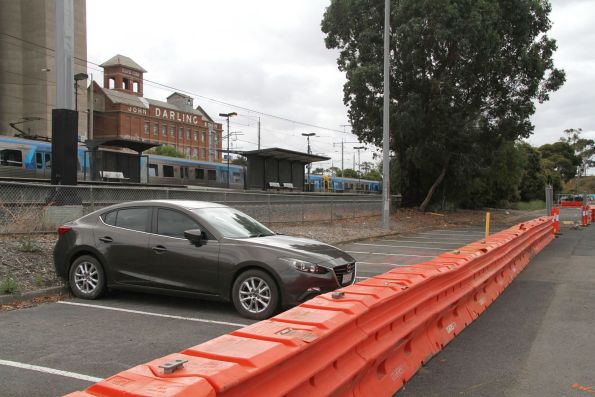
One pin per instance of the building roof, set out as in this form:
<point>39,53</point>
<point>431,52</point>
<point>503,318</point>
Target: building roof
<point>117,96</point>
<point>137,146</point>
<point>122,60</point>
<point>284,154</point>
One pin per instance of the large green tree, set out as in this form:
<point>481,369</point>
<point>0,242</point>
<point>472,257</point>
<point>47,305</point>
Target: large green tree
<point>560,158</point>
<point>464,76</point>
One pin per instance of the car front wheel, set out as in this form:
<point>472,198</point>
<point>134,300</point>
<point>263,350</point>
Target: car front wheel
<point>255,295</point>
<point>86,277</point>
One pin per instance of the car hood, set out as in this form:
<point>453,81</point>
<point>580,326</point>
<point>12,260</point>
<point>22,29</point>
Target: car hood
<point>302,248</point>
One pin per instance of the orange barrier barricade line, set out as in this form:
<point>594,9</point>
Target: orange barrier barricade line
<point>369,341</point>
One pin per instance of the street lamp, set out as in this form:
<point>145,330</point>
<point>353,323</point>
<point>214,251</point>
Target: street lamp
<point>359,164</point>
<point>227,116</point>
<point>308,135</point>
<point>78,77</point>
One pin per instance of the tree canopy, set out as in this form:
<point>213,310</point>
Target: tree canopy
<point>464,77</point>
<point>166,150</point>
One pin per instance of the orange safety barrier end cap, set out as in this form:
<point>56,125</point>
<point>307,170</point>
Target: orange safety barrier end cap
<point>141,381</point>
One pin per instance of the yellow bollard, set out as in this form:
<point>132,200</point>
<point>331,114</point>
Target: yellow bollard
<point>487,224</point>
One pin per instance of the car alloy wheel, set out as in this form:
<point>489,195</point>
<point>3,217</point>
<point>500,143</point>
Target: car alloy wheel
<point>86,277</point>
<point>255,295</point>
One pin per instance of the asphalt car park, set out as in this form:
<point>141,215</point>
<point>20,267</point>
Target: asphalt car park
<point>57,348</point>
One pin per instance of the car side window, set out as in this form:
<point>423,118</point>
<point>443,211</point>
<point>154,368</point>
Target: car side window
<point>173,223</point>
<point>110,218</point>
<point>133,219</point>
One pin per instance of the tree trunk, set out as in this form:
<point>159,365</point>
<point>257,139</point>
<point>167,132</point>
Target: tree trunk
<point>437,183</point>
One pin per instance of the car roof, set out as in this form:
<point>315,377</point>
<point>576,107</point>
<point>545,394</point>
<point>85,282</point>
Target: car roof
<point>186,204</point>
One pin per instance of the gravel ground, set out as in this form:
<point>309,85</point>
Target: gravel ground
<point>26,261</point>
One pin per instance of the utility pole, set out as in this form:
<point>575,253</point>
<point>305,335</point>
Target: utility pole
<point>385,122</point>
<point>342,141</point>
<point>228,115</point>
<point>91,110</point>
<point>308,135</point>
<point>359,166</point>
<point>258,132</point>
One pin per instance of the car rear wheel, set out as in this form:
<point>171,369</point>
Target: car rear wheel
<point>255,295</point>
<point>86,277</point>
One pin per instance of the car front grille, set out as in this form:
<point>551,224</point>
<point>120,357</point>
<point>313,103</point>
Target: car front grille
<point>345,270</point>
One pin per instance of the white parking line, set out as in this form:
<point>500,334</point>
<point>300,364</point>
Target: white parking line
<point>400,246</point>
<point>418,242</point>
<point>52,371</point>
<point>381,263</point>
<point>454,234</point>
<point>389,254</point>
<point>117,309</point>
<point>441,238</point>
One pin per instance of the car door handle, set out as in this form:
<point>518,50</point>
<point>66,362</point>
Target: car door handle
<point>106,239</point>
<point>159,249</point>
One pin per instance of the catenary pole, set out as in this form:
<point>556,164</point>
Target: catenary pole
<point>385,122</point>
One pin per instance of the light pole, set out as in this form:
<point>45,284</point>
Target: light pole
<point>308,135</point>
<point>386,121</point>
<point>227,116</point>
<point>359,164</point>
<point>78,77</point>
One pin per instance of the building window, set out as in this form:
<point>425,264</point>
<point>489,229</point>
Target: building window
<point>164,129</point>
<point>155,129</point>
<point>203,136</point>
<point>147,127</point>
<point>204,153</point>
<point>196,135</point>
<point>188,134</point>
<point>187,151</point>
<point>181,133</point>
<point>172,131</point>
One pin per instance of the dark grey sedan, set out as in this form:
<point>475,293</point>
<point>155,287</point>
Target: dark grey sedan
<point>196,249</point>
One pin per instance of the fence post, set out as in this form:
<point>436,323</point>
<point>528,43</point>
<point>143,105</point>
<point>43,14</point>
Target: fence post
<point>92,194</point>
<point>549,199</point>
<point>302,206</point>
<point>269,206</point>
<point>332,208</point>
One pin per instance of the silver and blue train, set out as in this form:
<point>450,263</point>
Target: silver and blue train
<point>24,158</point>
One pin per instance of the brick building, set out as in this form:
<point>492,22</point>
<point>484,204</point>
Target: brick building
<point>121,112</point>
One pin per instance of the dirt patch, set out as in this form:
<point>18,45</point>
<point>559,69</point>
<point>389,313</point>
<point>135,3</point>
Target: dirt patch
<point>403,221</point>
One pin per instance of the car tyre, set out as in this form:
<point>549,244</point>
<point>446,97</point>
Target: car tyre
<point>86,277</point>
<point>255,295</point>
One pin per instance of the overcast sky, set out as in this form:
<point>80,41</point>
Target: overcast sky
<point>269,56</point>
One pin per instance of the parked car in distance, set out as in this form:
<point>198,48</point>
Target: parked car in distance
<point>196,249</point>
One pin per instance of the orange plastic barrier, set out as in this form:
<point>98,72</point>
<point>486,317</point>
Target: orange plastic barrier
<point>571,204</point>
<point>592,208</point>
<point>556,219</point>
<point>367,340</point>
<point>585,215</point>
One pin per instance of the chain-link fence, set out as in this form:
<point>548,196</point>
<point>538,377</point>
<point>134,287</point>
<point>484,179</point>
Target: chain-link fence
<point>26,207</point>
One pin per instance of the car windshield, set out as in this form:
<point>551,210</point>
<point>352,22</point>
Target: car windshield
<point>233,223</point>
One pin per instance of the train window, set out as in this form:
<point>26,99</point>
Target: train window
<point>153,170</point>
<point>48,161</point>
<point>184,172</point>
<point>13,158</point>
<point>199,173</point>
<point>38,161</point>
<point>236,177</point>
<point>168,171</point>
<point>212,175</point>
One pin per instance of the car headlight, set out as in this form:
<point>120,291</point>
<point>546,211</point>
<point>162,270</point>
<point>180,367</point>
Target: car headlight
<point>304,266</point>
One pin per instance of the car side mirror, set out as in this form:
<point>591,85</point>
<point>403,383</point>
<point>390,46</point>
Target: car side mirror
<point>195,236</point>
